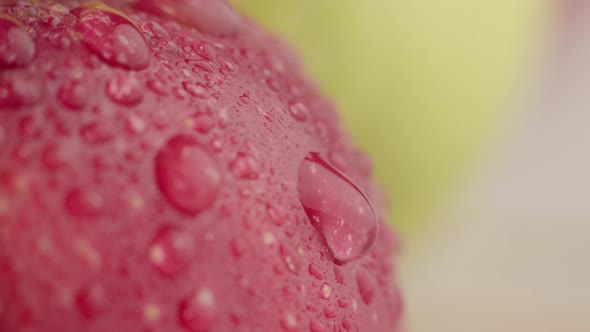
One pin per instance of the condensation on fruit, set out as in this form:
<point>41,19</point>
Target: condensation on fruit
<point>112,36</point>
<point>337,208</point>
<point>187,175</point>
<point>211,17</point>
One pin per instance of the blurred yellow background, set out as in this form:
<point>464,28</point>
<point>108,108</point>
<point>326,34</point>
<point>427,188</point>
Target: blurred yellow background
<point>421,83</point>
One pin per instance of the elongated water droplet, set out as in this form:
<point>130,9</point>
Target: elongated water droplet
<point>365,286</point>
<point>337,208</point>
<point>16,46</point>
<point>211,17</point>
<point>112,36</point>
<point>187,175</point>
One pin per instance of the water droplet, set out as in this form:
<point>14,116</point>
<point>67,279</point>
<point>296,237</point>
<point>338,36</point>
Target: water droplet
<point>16,45</point>
<point>135,125</point>
<point>202,122</point>
<point>53,157</point>
<point>157,86</point>
<point>73,95</point>
<point>245,166</point>
<point>195,89</point>
<point>198,312</point>
<point>316,272</point>
<point>325,291</point>
<point>245,98</point>
<point>365,286</point>
<point>337,208</point>
<point>212,17</point>
<point>290,259</point>
<point>152,313</point>
<point>170,251</point>
<point>155,29</point>
<point>204,49</point>
<point>299,111</point>
<point>289,322</point>
<point>91,301</point>
<point>112,36</point>
<point>187,175</point>
<point>18,91</point>
<point>237,247</point>
<point>317,326</point>
<point>94,133</point>
<point>84,203</point>
<point>124,89</point>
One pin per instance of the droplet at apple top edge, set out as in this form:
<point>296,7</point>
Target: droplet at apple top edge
<point>337,208</point>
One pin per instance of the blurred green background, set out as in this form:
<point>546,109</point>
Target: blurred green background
<point>422,84</point>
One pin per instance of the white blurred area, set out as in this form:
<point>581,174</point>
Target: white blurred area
<point>511,251</point>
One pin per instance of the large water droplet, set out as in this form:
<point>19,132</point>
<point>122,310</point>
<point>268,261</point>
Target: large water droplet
<point>124,89</point>
<point>337,208</point>
<point>16,46</point>
<point>212,17</point>
<point>198,312</point>
<point>112,36</point>
<point>187,175</point>
<point>170,251</point>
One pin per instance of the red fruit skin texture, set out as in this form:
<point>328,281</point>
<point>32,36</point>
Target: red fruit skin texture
<point>150,179</point>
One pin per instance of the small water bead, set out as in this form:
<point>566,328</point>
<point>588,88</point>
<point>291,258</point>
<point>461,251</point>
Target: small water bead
<point>204,49</point>
<point>16,45</point>
<point>155,29</point>
<point>73,95</point>
<point>112,36</point>
<point>135,124</point>
<point>289,322</point>
<point>96,133</point>
<point>211,17</point>
<point>124,89</point>
<point>317,326</point>
<point>337,208</point>
<point>325,291</point>
<point>18,91</point>
<point>170,250</point>
<point>196,89</point>
<point>201,122</point>
<point>198,312</point>
<point>290,259</point>
<point>244,166</point>
<point>299,111</point>
<point>84,203</point>
<point>187,175</point>
<point>158,87</point>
